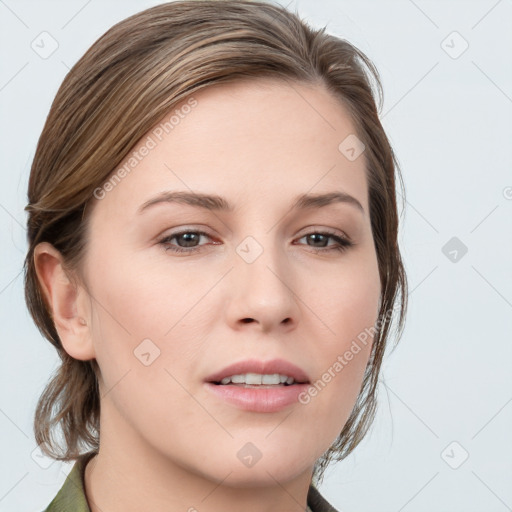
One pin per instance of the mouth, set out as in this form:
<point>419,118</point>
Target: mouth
<point>259,386</point>
<point>253,372</point>
<point>258,380</point>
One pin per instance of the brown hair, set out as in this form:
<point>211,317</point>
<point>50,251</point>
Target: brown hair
<point>128,80</point>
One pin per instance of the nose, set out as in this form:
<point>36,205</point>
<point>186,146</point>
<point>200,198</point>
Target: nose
<point>261,292</point>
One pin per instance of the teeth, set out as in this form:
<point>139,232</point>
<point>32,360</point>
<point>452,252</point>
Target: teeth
<point>253,378</point>
<point>258,379</point>
<point>271,379</point>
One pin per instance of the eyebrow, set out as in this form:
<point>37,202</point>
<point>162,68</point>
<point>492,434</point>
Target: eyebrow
<point>218,203</point>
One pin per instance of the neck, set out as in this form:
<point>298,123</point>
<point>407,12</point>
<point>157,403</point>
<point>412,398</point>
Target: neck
<point>128,475</point>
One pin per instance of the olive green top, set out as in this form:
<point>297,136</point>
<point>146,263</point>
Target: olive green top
<point>71,496</point>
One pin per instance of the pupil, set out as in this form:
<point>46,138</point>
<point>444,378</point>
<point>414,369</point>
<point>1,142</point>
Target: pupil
<point>188,237</point>
<point>317,236</point>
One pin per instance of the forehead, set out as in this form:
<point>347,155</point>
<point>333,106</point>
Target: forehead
<point>250,140</point>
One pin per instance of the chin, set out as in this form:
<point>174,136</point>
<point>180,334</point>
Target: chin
<point>254,468</point>
<point>262,474</point>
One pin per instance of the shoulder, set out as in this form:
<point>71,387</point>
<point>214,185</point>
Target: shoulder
<point>71,496</point>
<point>317,503</point>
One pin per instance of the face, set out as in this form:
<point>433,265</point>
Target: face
<point>181,291</point>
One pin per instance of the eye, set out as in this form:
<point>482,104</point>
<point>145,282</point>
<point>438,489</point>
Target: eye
<point>322,238</point>
<point>188,241</point>
<point>188,238</point>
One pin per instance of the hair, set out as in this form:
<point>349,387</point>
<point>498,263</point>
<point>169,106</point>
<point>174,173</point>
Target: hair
<point>125,83</point>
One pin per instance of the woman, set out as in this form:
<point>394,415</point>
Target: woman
<point>213,253</point>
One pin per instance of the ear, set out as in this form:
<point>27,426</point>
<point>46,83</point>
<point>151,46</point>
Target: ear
<point>69,304</point>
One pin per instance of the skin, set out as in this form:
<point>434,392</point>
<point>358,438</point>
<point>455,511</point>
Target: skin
<point>167,443</point>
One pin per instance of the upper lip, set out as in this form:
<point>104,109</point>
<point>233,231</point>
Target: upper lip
<point>280,366</point>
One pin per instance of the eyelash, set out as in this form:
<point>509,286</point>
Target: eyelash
<point>342,243</point>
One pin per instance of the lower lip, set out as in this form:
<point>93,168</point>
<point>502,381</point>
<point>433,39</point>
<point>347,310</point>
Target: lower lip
<point>264,399</point>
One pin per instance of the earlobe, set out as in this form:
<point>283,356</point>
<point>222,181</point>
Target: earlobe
<point>65,300</point>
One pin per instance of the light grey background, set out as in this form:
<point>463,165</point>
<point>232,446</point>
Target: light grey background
<point>448,115</point>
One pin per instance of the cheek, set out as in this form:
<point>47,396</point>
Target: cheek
<point>139,335</point>
<point>131,297</point>
<point>334,390</point>
<point>345,301</point>
<point>347,307</point>
<point>142,315</point>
